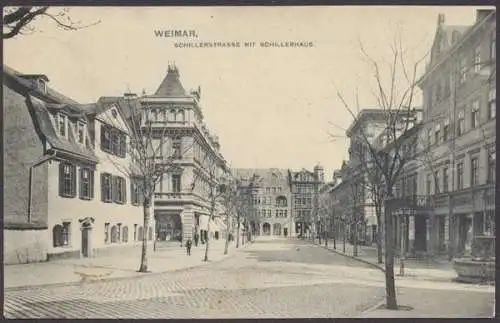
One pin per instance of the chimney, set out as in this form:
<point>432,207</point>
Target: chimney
<point>40,81</point>
<point>481,14</point>
<point>441,19</point>
<point>130,96</point>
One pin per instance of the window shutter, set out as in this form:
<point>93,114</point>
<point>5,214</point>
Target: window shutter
<point>114,188</point>
<point>124,190</point>
<point>91,184</point>
<point>81,182</point>
<point>103,191</point>
<point>103,130</point>
<point>123,148</point>
<point>61,179</point>
<point>132,195</point>
<point>73,180</point>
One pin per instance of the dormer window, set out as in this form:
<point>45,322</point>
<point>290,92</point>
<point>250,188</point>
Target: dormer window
<point>81,132</point>
<point>42,85</point>
<point>62,125</point>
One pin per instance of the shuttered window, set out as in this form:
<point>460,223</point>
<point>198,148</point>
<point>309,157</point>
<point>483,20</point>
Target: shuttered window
<point>86,184</point>
<point>67,180</point>
<point>119,190</point>
<point>106,188</point>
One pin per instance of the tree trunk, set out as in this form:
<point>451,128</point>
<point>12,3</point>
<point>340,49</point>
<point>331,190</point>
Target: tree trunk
<point>226,246</point>
<point>238,235</point>
<point>355,240</point>
<point>390,288</point>
<point>144,251</point>
<point>343,237</point>
<point>379,237</point>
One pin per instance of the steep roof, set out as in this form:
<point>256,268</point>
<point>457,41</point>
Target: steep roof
<point>171,85</point>
<point>41,103</point>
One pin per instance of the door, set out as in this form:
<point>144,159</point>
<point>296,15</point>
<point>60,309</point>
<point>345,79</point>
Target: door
<point>285,232</point>
<point>86,242</point>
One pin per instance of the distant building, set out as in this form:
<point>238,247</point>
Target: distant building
<point>305,187</point>
<point>271,200</point>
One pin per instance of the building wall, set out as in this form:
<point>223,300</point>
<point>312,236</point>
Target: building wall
<point>24,246</point>
<point>22,148</point>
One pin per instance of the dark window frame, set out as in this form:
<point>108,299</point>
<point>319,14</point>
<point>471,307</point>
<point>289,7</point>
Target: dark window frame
<point>106,190</point>
<point>67,180</point>
<point>89,182</point>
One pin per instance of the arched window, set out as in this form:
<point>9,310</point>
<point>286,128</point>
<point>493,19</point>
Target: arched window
<point>125,234</point>
<point>114,234</point>
<point>281,201</point>
<point>57,235</point>
<point>150,234</point>
<point>174,115</point>
<point>140,233</point>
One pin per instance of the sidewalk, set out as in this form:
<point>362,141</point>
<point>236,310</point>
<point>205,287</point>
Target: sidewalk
<point>430,270</point>
<point>121,265</point>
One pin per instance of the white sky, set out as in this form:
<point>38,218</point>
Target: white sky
<point>271,107</point>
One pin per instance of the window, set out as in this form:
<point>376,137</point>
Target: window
<point>135,192</point>
<point>176,183</point>
<point>438,92</point>
<point>437,133</point>
<point>428,184</point>
<point>120,190</point>
<point>445,179</point>
<point>140,233</point>
<point>67,180</point>
<point>113,141</point>
<point>62,124</point>
<point>493,45</point>
<point>437,180</point>
<point>176,148</point>
<point>150,234</point>
<point>81,132</point>
<point>492,167</point>
<point>285,214</point>
<point>446,130</point>
<point>460,176</point>
<point>474,115</point>
<point>474,165</point>
<point>106,232</point>
<point>115,234</point>
<point>106,188</point>
<point>477,59</point>
<point>125,234</point>
<point>492,103</point>
<point>460,123</point>
<point>86,184</point>
<point>463,70</point>
<point>135,232</point>
<point>60,234</point>
<point>429,136</point>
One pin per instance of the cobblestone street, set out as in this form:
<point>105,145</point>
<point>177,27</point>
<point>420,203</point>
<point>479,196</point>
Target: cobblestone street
<point>271,278</point>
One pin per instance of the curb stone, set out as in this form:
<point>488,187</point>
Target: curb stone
<point>78,283</point>
<point>369,263</point>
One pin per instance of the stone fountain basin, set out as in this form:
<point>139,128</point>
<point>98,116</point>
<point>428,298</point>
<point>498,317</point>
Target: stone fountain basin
<point>474,271</point>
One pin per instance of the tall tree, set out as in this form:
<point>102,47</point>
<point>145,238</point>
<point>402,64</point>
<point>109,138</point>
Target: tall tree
<point>396,100</point>
<point>148,160</point>
<point>19,20</point>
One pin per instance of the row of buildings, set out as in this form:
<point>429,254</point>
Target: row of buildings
<point>445,195</point>
<point>70,186</point>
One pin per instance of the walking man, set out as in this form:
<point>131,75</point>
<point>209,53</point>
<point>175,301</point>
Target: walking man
<point>188,247</point>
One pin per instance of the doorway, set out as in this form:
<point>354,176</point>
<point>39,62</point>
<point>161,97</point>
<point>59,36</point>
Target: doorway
<point>285,232</point>
<point>86,247</point>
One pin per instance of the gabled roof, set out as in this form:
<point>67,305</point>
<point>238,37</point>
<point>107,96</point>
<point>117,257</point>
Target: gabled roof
<point>171,85</point>
<point>41,103</point>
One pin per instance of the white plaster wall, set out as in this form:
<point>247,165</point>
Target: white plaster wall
<point>23,246</point>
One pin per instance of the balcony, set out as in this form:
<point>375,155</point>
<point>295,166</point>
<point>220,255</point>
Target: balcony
<point>163,197</point>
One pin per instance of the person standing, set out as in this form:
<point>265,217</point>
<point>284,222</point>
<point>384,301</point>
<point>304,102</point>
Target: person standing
<point>188,247</point>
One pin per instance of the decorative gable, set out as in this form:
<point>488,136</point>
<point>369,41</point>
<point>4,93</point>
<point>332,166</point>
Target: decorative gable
<point>112,116</point>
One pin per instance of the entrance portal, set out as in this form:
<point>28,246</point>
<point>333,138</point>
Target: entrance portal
<point>285,232</point>
<point>266,228</point>
<point>86,228</point>
<point>277,229</point>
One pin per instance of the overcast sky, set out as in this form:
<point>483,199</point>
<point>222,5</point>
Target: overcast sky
<point>270,107</point>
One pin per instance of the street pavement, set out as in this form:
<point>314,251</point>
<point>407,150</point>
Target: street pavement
<point>271,278</point>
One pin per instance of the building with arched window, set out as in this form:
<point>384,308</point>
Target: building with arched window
<point>270,199</point>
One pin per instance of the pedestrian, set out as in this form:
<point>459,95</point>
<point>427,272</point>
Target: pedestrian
<point>188,247</point>
<point>196,238</point>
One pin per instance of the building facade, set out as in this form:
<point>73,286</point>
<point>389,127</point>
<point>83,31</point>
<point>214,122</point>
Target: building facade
<point>305,186</point>
<point>66,195</point>
<point>271,198</point>
<point>459,92</point>
<point>182,200</point>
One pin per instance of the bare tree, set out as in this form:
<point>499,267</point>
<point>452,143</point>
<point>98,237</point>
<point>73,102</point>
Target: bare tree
<point>148,158</point>
<point>389,156</point>
<point>19,20</point>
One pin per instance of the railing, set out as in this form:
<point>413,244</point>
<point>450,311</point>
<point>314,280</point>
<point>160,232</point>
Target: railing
<point>171,196</point>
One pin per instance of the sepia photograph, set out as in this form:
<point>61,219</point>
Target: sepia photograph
<point>225,162</point>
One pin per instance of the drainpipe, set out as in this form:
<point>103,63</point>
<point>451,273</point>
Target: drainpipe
<point>30,191</point>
